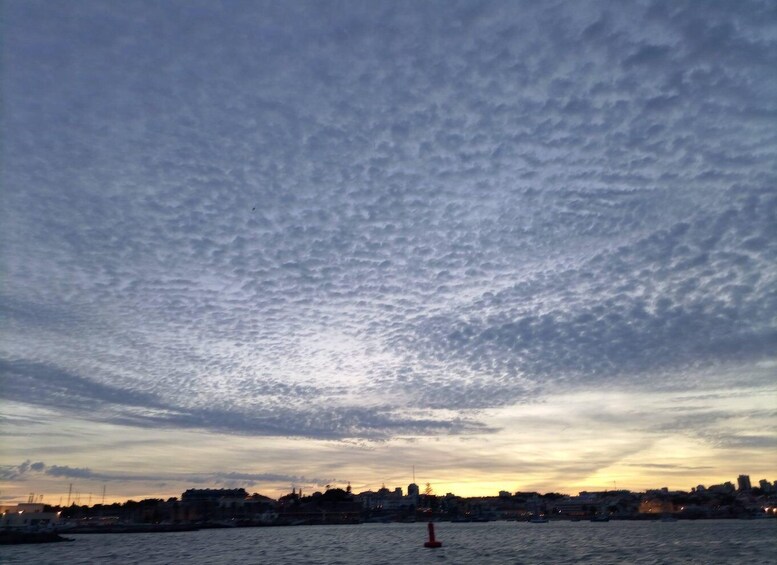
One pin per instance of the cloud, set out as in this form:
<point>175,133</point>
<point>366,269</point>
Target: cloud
<point>73,472</point>
<point>668,466</point>
<point>23,470</point>
<point>381,220</point>
<point>11,472</point>
<point>50,387</point>
<point>723,429</point>
<point>681,297</point>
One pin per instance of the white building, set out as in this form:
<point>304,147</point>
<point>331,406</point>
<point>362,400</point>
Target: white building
<point>27,517</point>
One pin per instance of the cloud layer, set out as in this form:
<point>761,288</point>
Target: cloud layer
<point>26,468</point>
<point>361,221</point>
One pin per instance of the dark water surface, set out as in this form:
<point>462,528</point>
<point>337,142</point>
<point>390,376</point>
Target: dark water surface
<point>703,541</point>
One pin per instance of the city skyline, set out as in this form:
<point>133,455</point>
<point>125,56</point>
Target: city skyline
<point>515,245</point>
<point>77,497</point>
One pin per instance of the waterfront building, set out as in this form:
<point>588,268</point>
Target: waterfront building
<point>656,506</point>
<point>413,492</point>
<point>27,516</point>
<point>725,488</point>
<point>387,501</point>
<point>214,494</point>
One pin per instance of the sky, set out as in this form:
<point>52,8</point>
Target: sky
<point>503,245</point>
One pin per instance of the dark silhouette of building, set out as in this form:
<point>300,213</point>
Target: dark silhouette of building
<point>213,493</point>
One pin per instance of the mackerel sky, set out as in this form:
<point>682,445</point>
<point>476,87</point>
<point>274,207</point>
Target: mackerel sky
<point>517,245</point>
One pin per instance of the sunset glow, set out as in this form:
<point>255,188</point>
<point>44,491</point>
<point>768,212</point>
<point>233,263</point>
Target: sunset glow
<point>275,245</point>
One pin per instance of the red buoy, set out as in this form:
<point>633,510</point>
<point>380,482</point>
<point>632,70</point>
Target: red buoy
<point>432,542</point>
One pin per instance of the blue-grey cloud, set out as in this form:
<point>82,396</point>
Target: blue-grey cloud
<point>303,415</point>
<point>17,472</point>
<point>669,466</point>
<point>358,222</point>
<point>14,472</point>
<point>686,296</point>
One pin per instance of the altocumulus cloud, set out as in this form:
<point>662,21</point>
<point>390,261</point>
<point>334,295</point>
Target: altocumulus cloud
<point>54,388</point>
<point>357,222</point>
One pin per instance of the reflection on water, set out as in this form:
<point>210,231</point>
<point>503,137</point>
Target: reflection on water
<point>704,541</point>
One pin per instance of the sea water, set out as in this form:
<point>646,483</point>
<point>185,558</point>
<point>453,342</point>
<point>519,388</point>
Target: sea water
<point>702,541</point>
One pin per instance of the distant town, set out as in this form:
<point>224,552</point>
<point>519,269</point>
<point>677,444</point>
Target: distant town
<point>236,507</point>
